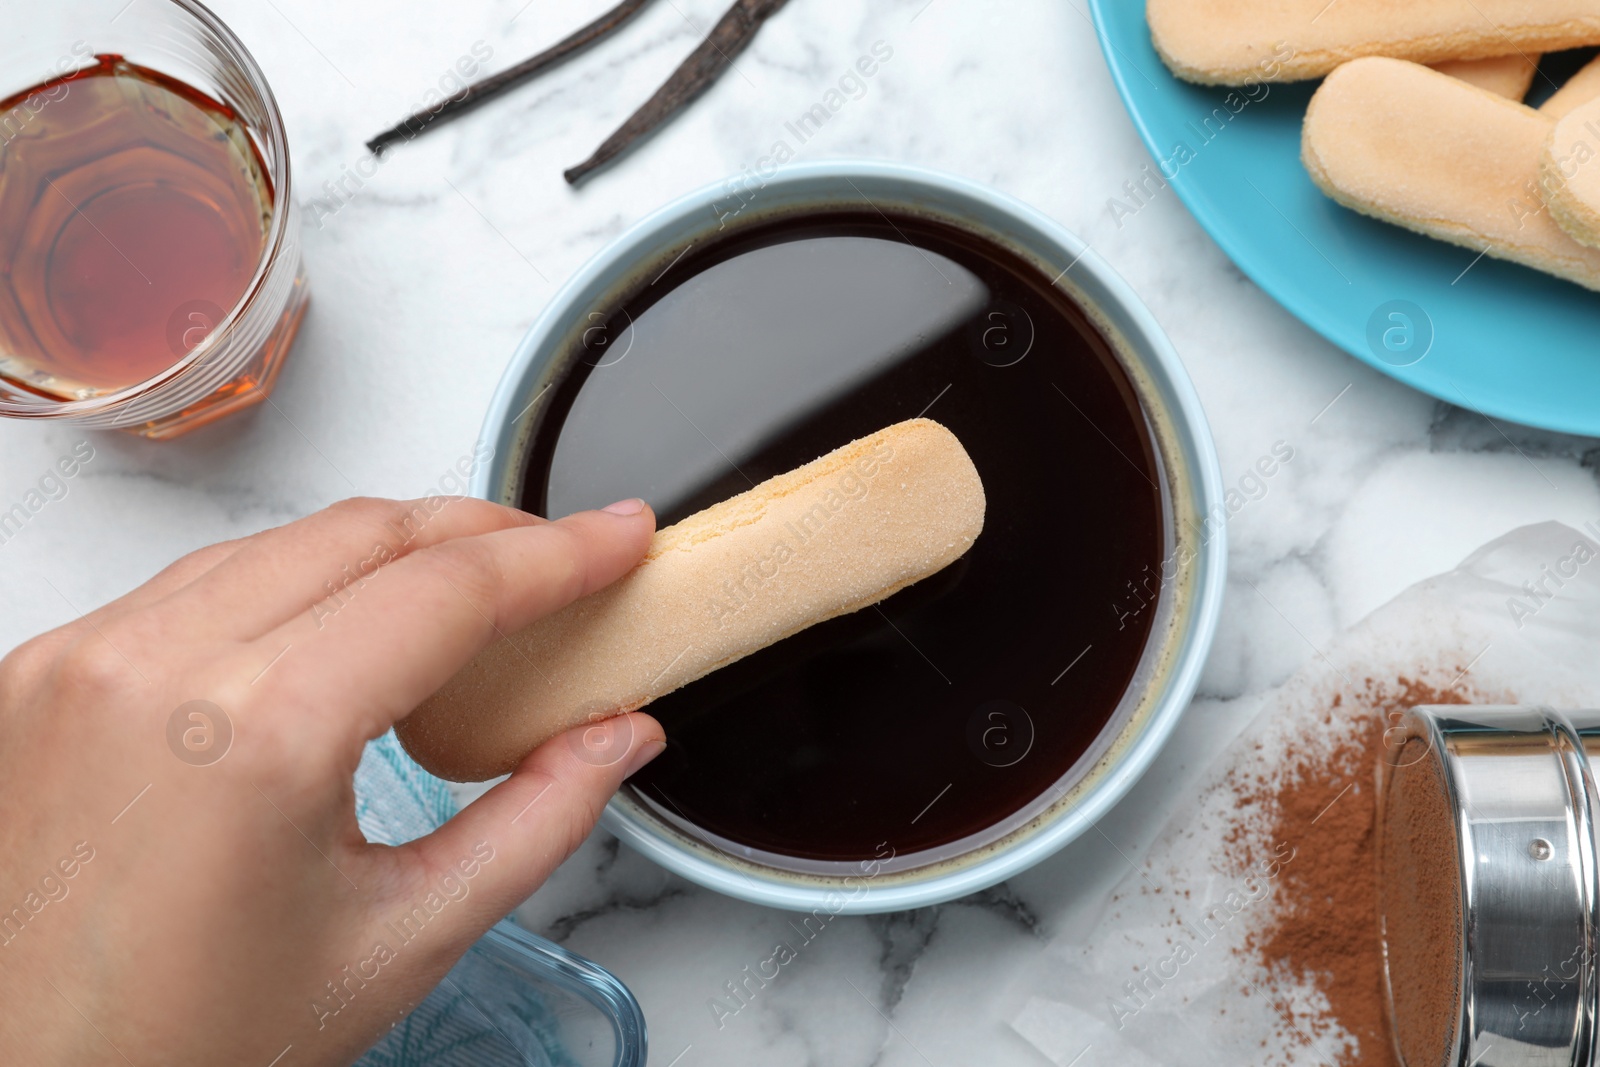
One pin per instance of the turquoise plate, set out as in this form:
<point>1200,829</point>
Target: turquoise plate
<point>1499,339</point>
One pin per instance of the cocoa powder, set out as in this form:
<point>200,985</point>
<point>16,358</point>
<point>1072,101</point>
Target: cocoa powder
<point>1420,894</point>
<point>1322,929</point>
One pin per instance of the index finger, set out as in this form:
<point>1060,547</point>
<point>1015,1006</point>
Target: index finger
<point>403,633</point>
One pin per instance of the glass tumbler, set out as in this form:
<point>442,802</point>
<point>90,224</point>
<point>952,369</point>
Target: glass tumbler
<point>198,356</point>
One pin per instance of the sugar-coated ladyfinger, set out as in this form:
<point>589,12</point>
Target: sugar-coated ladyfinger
<point>1411,146</point>
<point>834,536</point>
<point>1569,173</point>
<point>1507,76</point>
<point>1234,42</point>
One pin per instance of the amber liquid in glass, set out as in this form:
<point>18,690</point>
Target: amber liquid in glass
<point>134,211</point>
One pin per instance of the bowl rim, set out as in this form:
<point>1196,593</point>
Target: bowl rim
<point>1145,340</point>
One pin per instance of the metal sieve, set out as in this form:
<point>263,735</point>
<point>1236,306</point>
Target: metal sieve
<point>1518,816</point>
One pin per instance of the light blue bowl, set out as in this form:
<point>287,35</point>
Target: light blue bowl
<point>1187,607</point>
<point>1491,336</point>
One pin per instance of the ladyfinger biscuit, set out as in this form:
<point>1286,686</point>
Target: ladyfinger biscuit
<point>1569,173</point>
<point>1234,42</point>
<point>1581,88</point>
<point>834,536</point>
<point>1507,76</point>
<point>1410,146</point>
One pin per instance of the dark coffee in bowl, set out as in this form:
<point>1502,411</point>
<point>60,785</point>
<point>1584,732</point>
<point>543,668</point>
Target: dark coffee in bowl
<point>956,703</point>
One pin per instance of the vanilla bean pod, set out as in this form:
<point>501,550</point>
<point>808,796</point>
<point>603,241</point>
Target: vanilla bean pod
<point>491,87</point>
<point>695,75</point>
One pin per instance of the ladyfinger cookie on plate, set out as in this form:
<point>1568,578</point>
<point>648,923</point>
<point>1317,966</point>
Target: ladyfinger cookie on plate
<point>1579,89</point>
<point>1411,146</point>
<point>1234,42</point>
<point>1507,76</point>
<point>1569,173</point>
<point>834,536</point>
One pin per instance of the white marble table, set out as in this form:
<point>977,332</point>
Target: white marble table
<point>426,278</point>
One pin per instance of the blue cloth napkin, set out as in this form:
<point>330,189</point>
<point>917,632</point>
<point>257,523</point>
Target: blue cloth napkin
<point>483,1015</point>
<point>396,800</point>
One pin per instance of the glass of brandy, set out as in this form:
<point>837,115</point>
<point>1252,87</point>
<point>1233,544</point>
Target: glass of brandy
<point>150,263</point>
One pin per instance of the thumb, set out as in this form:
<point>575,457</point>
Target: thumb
<point>514,836</point>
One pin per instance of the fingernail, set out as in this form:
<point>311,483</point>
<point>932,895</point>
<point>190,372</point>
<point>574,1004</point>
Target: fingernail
<point>647,752</point>
<point>625,507</point>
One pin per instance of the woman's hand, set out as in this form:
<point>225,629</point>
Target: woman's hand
<point>182,880</point>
